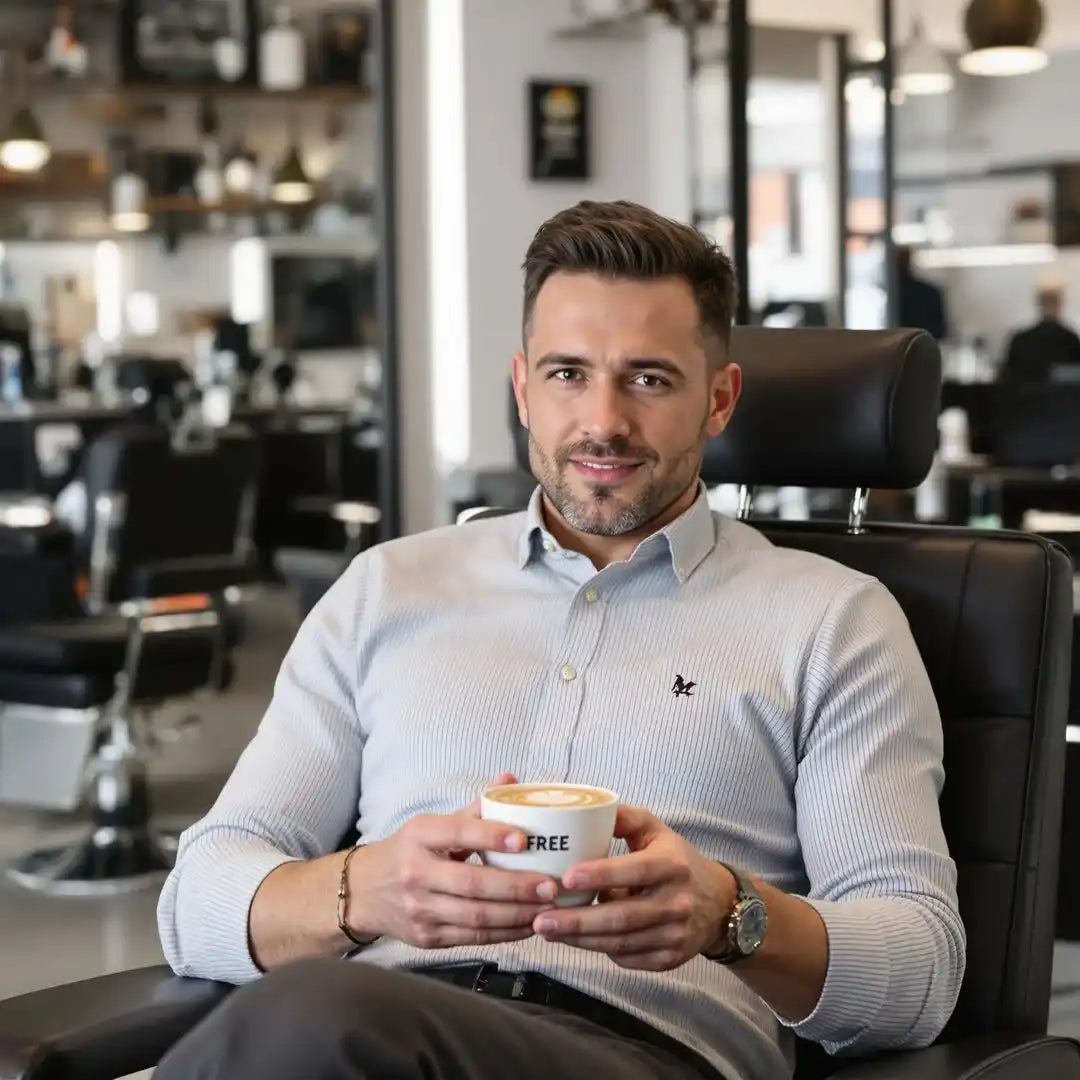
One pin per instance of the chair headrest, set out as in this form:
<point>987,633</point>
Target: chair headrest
<point>830,409</point>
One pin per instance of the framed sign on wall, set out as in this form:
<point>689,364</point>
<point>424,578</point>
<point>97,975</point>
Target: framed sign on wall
<point>558,131</point>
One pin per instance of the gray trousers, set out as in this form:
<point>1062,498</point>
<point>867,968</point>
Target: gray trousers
<point>335,1020</point>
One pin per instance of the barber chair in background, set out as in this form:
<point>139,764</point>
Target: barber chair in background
<point>302,504</point>
<point>991,613</point>
<point>172,514</point>
<point>328,512</point>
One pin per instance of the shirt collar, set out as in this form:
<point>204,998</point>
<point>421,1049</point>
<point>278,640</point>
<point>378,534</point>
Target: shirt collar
<point>689,538</point>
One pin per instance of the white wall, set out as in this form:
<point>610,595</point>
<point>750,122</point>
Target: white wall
<point>421,497</point>
<point>635,88</point>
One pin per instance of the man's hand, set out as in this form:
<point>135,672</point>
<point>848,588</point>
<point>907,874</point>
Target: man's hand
<point>661,905</point>
<point>416,887</point>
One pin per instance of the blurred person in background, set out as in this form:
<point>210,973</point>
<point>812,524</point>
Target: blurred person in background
<point>1046,349</point>
<point>922,304</point>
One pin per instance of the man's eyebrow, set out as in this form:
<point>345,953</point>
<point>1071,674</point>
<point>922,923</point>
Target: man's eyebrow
<point>654,363</point>
<point>556,359</point>
<point>637,363</point>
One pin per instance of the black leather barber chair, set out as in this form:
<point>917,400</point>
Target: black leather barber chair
<point>171,517</point>
<point>991,613</point>
<point>326,512</point>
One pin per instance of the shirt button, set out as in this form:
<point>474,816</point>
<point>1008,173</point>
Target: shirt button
<point>568,674</point>
<point>548,545</point>
<point>591,594</point>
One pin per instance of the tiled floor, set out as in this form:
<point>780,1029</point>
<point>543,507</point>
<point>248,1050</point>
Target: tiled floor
<point>44,941</point>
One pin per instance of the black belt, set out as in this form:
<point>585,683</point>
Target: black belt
<point>536,989</point>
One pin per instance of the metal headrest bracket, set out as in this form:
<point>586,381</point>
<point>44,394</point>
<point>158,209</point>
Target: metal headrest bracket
<point>857,510</point>
<point>746,502</point>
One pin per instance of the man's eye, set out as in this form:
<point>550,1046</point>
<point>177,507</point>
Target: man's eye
<point>566,375</point>
<point>651,382</point>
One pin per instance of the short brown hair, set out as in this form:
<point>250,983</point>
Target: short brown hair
<point>624,240</point>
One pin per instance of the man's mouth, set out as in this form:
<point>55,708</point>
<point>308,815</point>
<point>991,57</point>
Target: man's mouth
<point>608,471</point>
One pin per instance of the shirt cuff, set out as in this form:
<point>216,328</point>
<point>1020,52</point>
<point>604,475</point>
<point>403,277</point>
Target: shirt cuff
<point>856,981</point>
<point>219,942</point>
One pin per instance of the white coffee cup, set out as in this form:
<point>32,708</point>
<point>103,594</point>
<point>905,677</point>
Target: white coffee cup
<point>565,824</point>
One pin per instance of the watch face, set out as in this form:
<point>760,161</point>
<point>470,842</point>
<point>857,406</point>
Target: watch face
<point>751,931</point>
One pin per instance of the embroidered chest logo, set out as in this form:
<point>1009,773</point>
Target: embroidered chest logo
<point>683,689</point>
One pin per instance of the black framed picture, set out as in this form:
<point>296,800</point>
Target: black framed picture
<point>345,39</point>
<point>559,131</point>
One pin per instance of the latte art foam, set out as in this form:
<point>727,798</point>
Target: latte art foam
<point>555,796</point>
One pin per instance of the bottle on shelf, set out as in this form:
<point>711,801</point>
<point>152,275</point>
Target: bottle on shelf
<point>282,54</point>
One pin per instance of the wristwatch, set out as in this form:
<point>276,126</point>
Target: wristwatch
<point>745,925</point>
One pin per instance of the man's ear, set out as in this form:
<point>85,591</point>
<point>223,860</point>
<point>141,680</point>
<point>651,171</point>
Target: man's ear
<point>519,374</point>
<point>726,387</point>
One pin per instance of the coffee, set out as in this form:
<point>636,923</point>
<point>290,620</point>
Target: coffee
<point>561,796</point>
<point>564,824</point>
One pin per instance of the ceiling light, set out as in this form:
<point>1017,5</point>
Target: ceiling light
<point>291,183</point>
<point>922,67</point>
<point>1003,35</point>
<point>23,148</point>
<point>987,255</point>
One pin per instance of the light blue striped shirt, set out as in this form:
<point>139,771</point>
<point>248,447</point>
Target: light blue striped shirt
<point>809,753</point>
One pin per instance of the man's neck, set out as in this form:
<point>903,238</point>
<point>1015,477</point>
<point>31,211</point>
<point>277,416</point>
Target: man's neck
<point>604,550</point>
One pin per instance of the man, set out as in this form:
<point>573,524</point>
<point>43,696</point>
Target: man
<point>922,304</point>
<point>804,766</point>
<point>1036,354</point>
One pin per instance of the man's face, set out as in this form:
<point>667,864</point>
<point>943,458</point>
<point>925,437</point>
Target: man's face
<point>619,398</point>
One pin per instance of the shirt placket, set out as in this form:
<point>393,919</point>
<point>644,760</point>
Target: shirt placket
<point>566,684</point>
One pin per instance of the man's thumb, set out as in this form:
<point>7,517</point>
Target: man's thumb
<point>473,809</point>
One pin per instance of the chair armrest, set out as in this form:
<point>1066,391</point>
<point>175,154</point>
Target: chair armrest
<point>193,574</point>
<point>991,1057</point>
<point>101,1028</point>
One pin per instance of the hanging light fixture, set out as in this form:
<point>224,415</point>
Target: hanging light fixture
<point>129,212</point>
<point>1004,36</point>
<point>23,147</point>
<point>291,183</point>
<point>922,67</point>
<point>240,170</point>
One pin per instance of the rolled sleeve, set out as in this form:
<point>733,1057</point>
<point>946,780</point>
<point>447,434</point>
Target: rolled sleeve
<point>856,983</point>
<point>219,947</point>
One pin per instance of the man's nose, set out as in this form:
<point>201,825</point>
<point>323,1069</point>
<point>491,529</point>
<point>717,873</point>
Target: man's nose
<point>605,417</point>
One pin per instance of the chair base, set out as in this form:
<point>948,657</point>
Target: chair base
<point>110,861</point>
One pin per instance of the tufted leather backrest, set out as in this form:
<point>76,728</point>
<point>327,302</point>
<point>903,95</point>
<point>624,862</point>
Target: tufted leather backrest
<point>992,617</point>
<point>181,503</point>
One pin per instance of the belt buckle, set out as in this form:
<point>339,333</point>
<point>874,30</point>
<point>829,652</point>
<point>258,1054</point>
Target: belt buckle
<point>483,977</point>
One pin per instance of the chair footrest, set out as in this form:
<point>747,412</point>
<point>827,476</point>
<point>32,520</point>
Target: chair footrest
<point>107,862</point>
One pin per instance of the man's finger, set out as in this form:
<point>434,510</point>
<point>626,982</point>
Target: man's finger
<point>471,882</point>
<point>459,832</point>
<point>619,918</point>
<point>446,937</point>
<point>444,910</point>
<point>641,869</point>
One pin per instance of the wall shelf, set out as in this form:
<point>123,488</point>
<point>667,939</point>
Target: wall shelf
<point>325,95</point>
